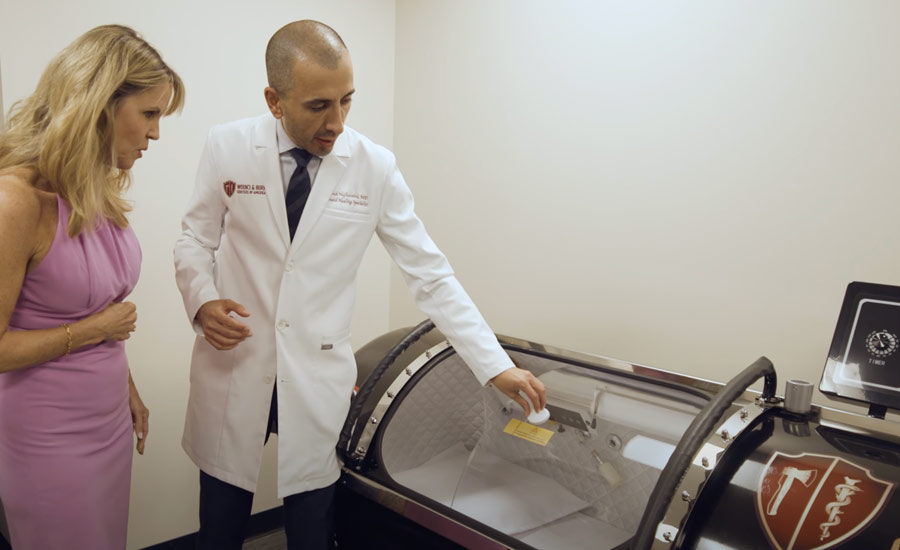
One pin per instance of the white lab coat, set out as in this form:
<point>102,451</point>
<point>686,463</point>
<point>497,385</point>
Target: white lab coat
<point>300,296</point>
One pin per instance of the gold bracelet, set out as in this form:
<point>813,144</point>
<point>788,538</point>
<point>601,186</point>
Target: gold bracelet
<point>68,338</point>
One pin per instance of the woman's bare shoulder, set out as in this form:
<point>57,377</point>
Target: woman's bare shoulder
<point>20,201</point>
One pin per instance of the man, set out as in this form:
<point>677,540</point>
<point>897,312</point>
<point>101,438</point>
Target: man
<point>284,208</point>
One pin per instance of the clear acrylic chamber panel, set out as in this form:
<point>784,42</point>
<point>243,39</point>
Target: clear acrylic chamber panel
<point>581,480</point>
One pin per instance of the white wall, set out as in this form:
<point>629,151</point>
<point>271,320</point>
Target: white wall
<point>687,185</point>
<point>218,49</point>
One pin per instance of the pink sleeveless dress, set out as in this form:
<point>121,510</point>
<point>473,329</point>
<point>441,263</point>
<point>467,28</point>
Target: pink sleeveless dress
<point>65,425</point>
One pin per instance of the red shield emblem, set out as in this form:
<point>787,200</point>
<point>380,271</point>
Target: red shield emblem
<point>813,502</point>
<point>229,187</point>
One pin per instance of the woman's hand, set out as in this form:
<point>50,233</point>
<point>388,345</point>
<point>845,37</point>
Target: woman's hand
<point>115,322</point>
<point>140,416</point>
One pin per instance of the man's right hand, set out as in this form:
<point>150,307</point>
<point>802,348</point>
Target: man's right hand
<point>221,330</point>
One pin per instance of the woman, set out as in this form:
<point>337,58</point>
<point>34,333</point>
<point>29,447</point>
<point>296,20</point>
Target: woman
<point>68,259</point>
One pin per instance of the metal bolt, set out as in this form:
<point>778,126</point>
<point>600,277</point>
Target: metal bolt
<point>668,536</point>
<point>427,355</point>
<point>744,414</point>
<point>685,496</point>
<point>705,462</point>
<point>361,450</point>
<point>408,371</point>
<point>613,441</point>
<point>390,394</point>
<point>374,420</point>
<point>725,435</point>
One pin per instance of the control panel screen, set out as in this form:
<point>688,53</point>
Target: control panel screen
<point>864,360</point>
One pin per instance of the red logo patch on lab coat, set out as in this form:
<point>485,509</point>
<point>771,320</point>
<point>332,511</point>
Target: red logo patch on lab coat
<point>229,187</point>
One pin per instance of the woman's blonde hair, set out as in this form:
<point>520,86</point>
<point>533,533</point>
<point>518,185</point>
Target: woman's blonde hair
<point>65,129</point>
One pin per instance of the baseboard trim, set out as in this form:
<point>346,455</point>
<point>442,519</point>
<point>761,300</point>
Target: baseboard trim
<point>259,524</point>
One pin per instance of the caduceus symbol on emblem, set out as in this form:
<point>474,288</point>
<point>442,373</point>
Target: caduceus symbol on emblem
<point>842,492</point>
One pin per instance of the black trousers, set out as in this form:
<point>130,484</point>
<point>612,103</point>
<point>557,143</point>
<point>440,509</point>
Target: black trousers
<point>225,511</point>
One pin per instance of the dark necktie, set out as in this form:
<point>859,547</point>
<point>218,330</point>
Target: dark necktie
<point>298,189</point>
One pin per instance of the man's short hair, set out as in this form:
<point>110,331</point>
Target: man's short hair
<point>301,39</point>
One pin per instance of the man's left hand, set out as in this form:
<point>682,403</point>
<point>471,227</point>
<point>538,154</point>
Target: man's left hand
<point>513,380</point>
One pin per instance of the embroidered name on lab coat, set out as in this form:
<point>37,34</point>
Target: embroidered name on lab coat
<point>348,199</point>
<point>248,189</point>
<point>243,189</point>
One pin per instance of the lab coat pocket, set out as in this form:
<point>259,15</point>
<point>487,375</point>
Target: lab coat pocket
<point>330,342</point>
<point>211,368</point>
<point>336,244</point>
<point>349,215</point>
<point>337,368</point>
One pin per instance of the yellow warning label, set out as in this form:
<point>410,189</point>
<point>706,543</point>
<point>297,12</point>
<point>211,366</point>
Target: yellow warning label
<point>528,432</point>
